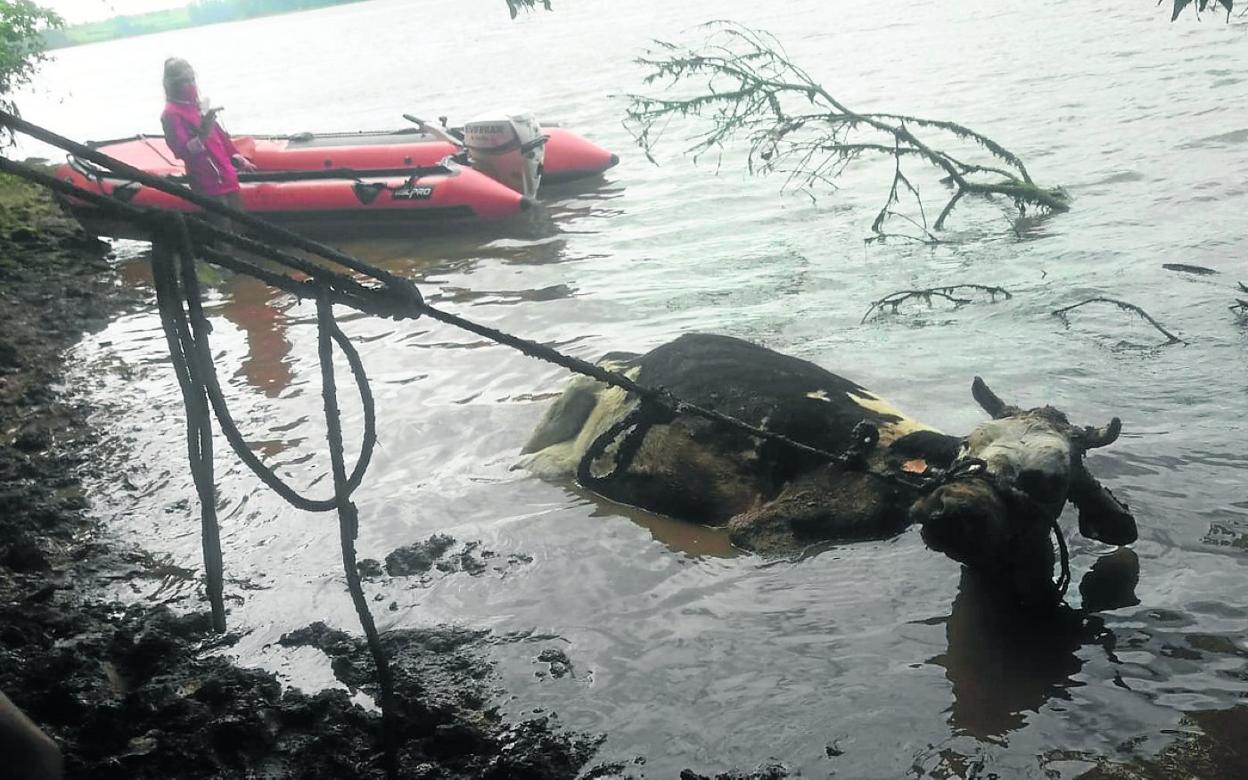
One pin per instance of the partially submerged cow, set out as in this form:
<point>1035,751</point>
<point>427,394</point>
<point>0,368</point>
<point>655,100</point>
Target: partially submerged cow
<point>988,499</point>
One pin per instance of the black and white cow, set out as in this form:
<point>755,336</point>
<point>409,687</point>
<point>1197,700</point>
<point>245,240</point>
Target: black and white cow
<point>988,499</point>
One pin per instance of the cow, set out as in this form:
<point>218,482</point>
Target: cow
<point>988,500</point>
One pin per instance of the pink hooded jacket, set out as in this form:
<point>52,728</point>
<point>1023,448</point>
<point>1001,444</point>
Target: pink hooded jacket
<point>208,160</point>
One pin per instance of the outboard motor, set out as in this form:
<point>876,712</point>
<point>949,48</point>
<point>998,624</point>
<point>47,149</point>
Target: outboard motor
<point>510,150</point>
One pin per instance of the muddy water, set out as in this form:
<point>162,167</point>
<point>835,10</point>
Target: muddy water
<point>871,660</point>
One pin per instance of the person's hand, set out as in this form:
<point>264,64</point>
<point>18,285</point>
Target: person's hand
<point>243,164</point>
<point>208,120</point>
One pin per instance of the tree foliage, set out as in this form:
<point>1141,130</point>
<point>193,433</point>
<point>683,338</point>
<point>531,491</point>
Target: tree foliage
<point>1201,5</point>
<point>744,83</point>
<point>22,23</point>
<point>514,6</point>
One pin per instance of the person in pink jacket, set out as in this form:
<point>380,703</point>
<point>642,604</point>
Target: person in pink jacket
<point>212,161</point>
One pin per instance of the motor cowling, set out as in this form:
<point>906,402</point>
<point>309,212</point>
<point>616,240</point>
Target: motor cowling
<point>510,150</point>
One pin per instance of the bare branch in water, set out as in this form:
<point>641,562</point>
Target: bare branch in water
<point>1240,306</point>
<point>1198,270</point>
<point>1170,337</point>
<point>895,299</point>
<point>746,85</point>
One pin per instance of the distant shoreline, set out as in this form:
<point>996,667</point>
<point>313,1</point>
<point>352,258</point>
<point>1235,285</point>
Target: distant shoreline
<point>196,14</point>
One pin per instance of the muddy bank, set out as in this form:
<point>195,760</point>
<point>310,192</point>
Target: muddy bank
<point>127,690</point>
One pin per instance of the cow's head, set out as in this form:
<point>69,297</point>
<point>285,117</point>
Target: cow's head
<point>997,504</point>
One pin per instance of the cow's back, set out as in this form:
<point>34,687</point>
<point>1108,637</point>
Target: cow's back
<point>691,467</point>
<point>766,388</point>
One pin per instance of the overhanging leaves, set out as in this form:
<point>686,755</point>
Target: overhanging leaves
<point>744,84</point>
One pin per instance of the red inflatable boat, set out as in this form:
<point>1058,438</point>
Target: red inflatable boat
<point>568,155</point>
<point>366,182</point>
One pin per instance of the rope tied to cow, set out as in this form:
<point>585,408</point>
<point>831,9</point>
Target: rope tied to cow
<point>393,297</point>
<point>180,241</point>
<point>976,468</point>
<point>187,330</point>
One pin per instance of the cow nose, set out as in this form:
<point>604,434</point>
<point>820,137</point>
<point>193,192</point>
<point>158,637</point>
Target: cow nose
<point>1043,485</point>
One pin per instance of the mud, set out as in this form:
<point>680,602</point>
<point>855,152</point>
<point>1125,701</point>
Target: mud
<point>439,552</point>
<point>559,666</point>
<point>1212,748</point>
<point>418,557</point>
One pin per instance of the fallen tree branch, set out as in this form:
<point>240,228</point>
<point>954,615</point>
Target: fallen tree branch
<point>1184,268</point>
<point>747,85</point>
<point>894,299</point>
<point>887,211</point>
<point>1240,306</point>
<point>1170,337</point>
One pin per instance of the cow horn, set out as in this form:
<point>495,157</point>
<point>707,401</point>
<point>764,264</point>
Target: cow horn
<point>988,399</point>
<point>1102,437</point>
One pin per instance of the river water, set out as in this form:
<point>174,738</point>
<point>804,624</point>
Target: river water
<point>867,660</point>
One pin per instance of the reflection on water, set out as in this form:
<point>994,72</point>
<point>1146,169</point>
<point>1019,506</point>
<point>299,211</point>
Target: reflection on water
<point>259,311</point>
<point>531,239</point>
<point>452,294</point>
<point>677,535</point>
<point>1005,664</point>
<point>1110,583</point>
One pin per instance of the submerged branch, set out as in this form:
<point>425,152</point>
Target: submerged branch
<point>894,299</point>
<point>744,84</point>
<point>1131,307</point>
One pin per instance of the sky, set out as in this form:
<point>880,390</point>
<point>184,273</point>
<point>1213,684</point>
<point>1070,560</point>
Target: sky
<point>74,11</point>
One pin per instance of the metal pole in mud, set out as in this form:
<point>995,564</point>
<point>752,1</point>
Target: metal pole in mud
<point>349,522</point>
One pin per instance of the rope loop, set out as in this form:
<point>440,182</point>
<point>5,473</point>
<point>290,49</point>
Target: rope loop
<point>221,408</point>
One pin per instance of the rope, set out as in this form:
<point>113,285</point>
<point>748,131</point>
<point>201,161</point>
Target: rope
<point>640,421</point>
<point>182,352</point>
<point>973,468</point>
<point>208,204</point>
<point>179,300</point>
<point>191,354</point>
<point>388,302</point>
<point>230,428</point>
<point>349,524</point>
<point>1063,581</point>
<point>159,153</point>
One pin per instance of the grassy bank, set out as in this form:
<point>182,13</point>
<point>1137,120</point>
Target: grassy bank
<point>29,217</point>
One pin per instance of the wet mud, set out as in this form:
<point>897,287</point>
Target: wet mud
<point>444,554</point>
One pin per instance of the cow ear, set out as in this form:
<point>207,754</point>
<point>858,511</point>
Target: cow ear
<point>987,399</point>
<point>1101,515</point>
<point>1091,438</point>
